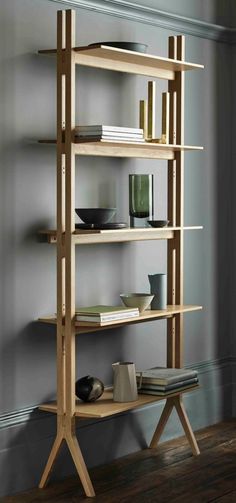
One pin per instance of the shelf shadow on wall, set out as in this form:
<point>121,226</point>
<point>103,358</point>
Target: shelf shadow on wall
<point>224,223</point>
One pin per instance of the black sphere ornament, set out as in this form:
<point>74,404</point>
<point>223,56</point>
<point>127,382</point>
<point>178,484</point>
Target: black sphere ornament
<point>89,388</point>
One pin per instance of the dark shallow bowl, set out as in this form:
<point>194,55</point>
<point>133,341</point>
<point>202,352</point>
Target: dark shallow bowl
<point>95,215</point>
<point>129,46</point>
<point>158,223</point>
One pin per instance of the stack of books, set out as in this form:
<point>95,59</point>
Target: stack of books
<point>164,381</point>
<point>100,315</point>
<point>109,133</point>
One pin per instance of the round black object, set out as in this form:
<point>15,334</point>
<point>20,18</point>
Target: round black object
<point>89,388</point>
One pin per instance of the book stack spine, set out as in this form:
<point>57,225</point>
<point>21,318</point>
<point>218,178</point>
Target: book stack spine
<point>164,385</point>
<point>103,314</point>
<point>109,133</point>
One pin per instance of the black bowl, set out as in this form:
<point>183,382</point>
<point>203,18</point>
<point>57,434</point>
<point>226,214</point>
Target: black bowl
<point>158,223</point>
<point>129,46</point>
<point>95,215</point>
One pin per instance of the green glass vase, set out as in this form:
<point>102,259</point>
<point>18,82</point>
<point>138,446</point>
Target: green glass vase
<point>140,200</point>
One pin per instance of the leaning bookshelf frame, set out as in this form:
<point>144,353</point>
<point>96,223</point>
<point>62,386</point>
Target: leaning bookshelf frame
<point>66,237</point>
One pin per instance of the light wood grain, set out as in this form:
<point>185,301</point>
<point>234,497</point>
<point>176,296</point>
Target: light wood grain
<point>112,58</point>
<point>106,148</point>
<point>80,465</point>
<point>51,460</point>
<point>82,237</point>
<point>178,402</point>
<point>148,315</point>
<point>61,28</point>
<point>162,423</point>
<point>104,406</point>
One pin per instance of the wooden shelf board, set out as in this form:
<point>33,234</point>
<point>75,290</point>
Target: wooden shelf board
<point>107,148</point>
<point>105,406</point>
<point>121,60</point>
<point>83,237</point>
<point>148,315</point>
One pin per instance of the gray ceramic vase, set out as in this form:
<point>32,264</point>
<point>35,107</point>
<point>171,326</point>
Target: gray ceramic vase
<point>158,287</point>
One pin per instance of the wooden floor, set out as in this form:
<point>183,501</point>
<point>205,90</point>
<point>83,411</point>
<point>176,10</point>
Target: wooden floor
<point>166,474</point>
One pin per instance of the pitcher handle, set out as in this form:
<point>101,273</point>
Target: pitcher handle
<point>140,381</point>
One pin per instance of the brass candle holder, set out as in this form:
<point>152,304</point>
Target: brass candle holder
<point>147,116</point>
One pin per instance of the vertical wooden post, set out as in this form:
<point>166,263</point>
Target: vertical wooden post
<point>176,207</point>
<point>66,429</point>
<point>69,210</point>
<point>171,249</point>
<point>60,215</point>
<point>70,350</point>
<point>61,392</point>
<point>179,328</point>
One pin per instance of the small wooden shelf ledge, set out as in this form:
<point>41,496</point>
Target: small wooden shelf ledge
<point>121,60</point>
<point>105,406</point>
<point>106,148</point>
<point>82,237</point>
<point>84,327</point>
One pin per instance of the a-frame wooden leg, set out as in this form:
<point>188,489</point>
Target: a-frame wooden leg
<point>178,404</point>
<point>161,423</point>
<point>186,425</point>
<point>80,465</point>
<point>71,440</point>
<point>51,460</point>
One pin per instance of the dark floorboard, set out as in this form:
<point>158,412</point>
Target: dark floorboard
<point>168,474</point>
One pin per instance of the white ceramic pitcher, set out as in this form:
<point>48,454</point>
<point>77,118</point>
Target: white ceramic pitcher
<point>124,383</point>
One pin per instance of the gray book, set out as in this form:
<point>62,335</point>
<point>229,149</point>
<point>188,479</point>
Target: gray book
<point>169,392</point>
<point>158,387</point>
<point>165,376</point>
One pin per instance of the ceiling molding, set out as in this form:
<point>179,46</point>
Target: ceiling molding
<point>147,15</point>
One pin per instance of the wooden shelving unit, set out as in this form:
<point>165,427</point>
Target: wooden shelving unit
<point>66,237</point>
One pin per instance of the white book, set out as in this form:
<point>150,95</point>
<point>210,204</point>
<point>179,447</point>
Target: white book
<point>102,128</point>
<point>101,313</point>
<point>111,138</point>
<point>109,133</point>
<point>106,318</point>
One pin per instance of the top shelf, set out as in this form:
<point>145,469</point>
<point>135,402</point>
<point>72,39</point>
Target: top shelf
<point>122,60</point>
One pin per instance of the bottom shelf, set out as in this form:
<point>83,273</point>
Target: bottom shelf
<point>105,406</point>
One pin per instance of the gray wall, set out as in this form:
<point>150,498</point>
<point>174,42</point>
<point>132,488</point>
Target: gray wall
<point>28,193</point>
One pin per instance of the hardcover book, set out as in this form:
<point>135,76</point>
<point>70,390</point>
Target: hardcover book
<point>102,313</point>
<point>164,393</point>
<point>165,376</point>
<point>104,129</point>
<point>169,387</point>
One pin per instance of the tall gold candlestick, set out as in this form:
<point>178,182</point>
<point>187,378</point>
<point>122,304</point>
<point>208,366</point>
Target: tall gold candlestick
<point>165,133</point>
<point>143,117</point>
<point>151,108</point>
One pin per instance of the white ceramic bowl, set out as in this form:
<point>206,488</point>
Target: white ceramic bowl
<point>140,300</point>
